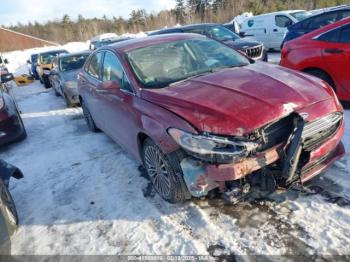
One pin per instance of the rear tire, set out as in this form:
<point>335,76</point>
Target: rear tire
<point>165,173</point>
<point>88,118</point>
<point>322,75</point>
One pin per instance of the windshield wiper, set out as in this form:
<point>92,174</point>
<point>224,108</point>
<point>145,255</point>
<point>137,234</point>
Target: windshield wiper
<point>191,77</point>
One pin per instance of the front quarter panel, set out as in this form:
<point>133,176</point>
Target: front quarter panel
<point>154,122</point>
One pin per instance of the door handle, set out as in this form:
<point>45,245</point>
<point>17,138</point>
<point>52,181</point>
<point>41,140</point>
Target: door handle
<point>333,51</point>
<point>275,30</point>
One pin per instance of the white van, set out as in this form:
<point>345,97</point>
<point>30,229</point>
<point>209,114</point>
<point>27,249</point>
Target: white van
<point>271,28</point>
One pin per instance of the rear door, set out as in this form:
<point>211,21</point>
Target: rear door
<point>89,81</point>
<point>336,54</point>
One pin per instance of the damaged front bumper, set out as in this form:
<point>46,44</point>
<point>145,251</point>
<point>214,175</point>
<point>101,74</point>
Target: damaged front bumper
<point>311,160</point>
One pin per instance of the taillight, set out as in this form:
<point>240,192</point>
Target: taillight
<point>285,50</point>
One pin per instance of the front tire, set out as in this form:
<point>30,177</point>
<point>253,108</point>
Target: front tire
<point>165,173</point>
<point>88,118</point>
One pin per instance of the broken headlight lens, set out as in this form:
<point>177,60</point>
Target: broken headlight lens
<point>210,144</point>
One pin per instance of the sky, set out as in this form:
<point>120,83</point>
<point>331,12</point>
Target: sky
<point>24,11</point>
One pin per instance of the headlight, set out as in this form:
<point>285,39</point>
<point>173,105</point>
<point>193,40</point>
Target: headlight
<point>209,144</point>
<point>71,84</point>
<point>46,72</point>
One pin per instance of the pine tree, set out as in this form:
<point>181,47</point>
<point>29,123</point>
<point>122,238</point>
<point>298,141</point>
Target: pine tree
<point>180,11</point>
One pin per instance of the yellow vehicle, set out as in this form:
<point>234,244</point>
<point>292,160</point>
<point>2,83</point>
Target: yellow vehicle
<point>23,80</point>
<point>44,65</point>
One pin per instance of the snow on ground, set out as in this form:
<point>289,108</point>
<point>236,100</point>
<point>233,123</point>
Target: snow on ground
<point>82,194</point>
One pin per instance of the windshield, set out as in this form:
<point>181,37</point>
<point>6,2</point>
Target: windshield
<point>47,58</point>
<point>221,33</point>
<point>72,62</point>
<point>159,65</point>
<point>300,15</point>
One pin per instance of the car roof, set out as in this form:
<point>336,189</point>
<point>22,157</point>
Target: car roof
<point>53,51</point>
<point>324,29</point>
<point>277,13</point>
<point>191,26</point>
<point>328,11</point>
<point>136,43</point>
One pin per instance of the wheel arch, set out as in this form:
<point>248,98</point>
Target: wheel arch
<point>323,71</point>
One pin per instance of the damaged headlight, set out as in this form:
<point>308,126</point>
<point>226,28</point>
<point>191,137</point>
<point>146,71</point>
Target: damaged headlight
<point>210,144</point>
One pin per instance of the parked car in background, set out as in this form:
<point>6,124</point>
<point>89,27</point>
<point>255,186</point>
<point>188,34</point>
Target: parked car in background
<point>324,53</point>
<point>32,64</point>
<point>44,65</point>
<point>99,38</point>
<point>315,22</point>
<point>201,116</point>
<point>3,68</point>
<point>8,212</point>
<point>271,28</point>
<point>11,124</point>
<point>109,41</point>
<point>250,47</point>
<point>63,76</point>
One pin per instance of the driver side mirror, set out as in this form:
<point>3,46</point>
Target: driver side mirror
<point>6,61</point>
<point>6,77</point>
<point>28,62</point>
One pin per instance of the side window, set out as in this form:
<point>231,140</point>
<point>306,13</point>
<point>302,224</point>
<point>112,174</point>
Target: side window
<point>94,68</point>
<point>283,21</point>
<point>113,71</point>
<point>344,14</point>
<point>331,36</point>
<point>345,35</point>
<point>323,20</point>
<point>194,31</point>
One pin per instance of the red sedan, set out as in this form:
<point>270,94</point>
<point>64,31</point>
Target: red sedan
<point>324,53</point>
<point>200,116</point>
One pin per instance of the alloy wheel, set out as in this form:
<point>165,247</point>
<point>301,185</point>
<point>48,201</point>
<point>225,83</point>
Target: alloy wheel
<point>157,170</point>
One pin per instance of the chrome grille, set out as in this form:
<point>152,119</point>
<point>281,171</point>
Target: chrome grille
<point>317,131</point>
<point>254,52</point>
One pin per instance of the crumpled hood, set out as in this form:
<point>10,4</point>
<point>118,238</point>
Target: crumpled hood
<point>237,101</point>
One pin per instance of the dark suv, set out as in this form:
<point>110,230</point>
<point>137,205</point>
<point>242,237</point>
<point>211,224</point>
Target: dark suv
<point>250,47</point>
<point>312,23</point>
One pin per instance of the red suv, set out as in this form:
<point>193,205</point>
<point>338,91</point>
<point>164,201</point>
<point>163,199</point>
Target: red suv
<point>324,53</point>
<point>200,116</point>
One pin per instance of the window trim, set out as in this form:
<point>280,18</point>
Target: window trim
<point>89,62</point>
<point>125,76</point>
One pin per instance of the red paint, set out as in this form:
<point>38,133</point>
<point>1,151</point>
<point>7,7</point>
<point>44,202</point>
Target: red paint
<point>305,52</point>
<point>233,101</point>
